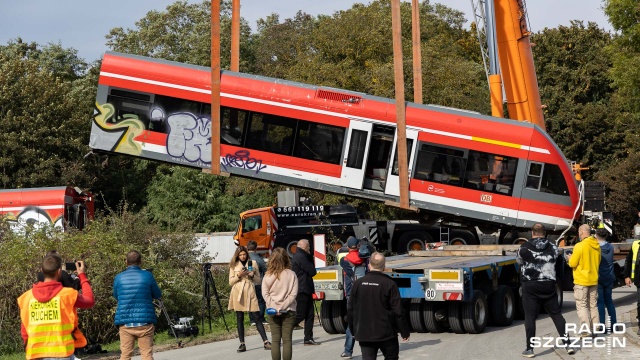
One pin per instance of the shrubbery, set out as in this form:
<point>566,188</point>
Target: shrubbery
<point>174,258</point>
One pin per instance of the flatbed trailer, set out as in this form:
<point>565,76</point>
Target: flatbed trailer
<point>462,288</point>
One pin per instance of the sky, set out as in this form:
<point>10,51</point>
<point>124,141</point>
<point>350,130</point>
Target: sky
<point>83,24</point>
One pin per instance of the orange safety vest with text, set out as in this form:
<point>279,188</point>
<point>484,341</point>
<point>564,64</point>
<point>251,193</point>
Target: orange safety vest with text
<point>52,326</point>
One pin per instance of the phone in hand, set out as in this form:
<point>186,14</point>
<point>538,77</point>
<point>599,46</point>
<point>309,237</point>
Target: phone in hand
<point>250,268</point>
<point>70,266</point>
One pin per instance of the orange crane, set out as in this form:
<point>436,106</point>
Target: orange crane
<point>502,27</point>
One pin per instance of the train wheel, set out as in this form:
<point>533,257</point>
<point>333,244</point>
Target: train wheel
<point>475,313</point>
<point>413,240</point>
<point>454,313</point>
<point>339,315</point>
<point>415,315</point>
<point>502,306</point>
<point>429,311</point>
<point>326,317</point>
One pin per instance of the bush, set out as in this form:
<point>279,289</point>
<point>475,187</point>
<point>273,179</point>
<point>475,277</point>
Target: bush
<point>174,258</point>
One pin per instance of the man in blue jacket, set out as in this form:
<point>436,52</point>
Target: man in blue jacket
<point>606,279</point>
<point>135,289</point>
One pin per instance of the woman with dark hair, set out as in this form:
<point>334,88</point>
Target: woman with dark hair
<point>279,290</point>
<point>243,276</point>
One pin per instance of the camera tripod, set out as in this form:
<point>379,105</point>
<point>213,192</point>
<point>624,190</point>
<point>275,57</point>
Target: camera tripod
<point>208,284</point>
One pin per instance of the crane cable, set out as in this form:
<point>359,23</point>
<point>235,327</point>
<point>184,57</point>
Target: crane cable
<point>580,192</point>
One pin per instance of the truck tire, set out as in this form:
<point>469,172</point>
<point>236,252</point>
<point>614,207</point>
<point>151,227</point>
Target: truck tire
<point>502,306</point>
<point>519,306</point>
<point>416,318</point>
<point>326,318</point>
<point>412,240</point>
<point>454,313</point>
<point>339,316</point>
<point>475,313</point>
<point>429,313</point>
<point>462,238</point>
<point>559,298</point>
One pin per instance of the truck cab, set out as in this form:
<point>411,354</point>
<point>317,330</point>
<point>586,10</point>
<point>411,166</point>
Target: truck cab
<point>255,224</point>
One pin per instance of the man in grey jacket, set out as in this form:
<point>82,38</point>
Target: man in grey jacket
<point>252,246</point>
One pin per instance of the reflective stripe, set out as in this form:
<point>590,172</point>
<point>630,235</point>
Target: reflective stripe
<point>634,249</point>
<point>59,327</point>
<point>52,351</point>
<point>49,338</point>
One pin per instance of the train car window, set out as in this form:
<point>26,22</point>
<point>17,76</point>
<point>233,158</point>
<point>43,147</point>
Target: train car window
<point>394,169</point>
<point>534,175</point>
<point>271,133</point>
<point>490,172</point>
<point>127,104</point>
<point>319,142</point>
<point>355,156</point>
<point>440,164</point>
<point>553,181</point>
<point>232,123</point>
<point>165,106</point>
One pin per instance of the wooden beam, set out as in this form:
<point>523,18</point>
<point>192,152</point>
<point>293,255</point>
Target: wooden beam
<point>215,87</point>
<point>400,104</point>
<point>235,35</point>
<point>417,56</point>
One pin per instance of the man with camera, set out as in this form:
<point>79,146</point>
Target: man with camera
<point>49,316</point>
<point>135,289</point>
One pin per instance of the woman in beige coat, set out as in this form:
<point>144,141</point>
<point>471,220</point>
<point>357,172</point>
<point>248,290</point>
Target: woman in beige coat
<point>243,276</point>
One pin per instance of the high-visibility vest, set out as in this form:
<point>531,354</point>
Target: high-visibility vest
<point>634,250</point>
<point>51,326</point>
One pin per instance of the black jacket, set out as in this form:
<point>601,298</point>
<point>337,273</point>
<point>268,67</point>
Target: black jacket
<point>627,268</point>
<point>539,260</point>
<point>302,265</point>
<point>65,278</point>
<point>374,309</point>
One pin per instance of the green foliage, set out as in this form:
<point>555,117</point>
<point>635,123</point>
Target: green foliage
<point>44,125</point>
<point>175,258</point>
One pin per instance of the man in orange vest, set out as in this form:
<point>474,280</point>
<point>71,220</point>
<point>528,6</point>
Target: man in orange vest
<point>49,313</point>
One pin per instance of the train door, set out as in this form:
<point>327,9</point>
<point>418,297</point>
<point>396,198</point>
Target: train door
<point>376,171</point>
<point>355,156</point>
<point>393,180</point>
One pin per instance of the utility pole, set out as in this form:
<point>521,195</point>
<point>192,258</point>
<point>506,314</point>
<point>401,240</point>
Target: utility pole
<point>215,87</point>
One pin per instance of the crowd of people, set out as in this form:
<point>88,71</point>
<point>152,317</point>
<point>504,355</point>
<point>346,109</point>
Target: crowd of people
<point>283,290</point>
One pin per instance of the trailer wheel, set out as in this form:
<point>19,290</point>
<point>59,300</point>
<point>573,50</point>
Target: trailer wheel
<point>502,306</point>
<point>475,313</point>
<point>462,238</point>
<point>429,314</point>
<point>559,298</point>
<point>519,315</point>
<point>326,318</point>
<point>415,315</point>
<point>339,315</point>
<point>454,313</point>
<point>412,240</point>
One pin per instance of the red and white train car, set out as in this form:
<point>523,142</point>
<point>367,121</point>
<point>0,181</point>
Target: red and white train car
<point>464,167</point>
<point>63,206</point>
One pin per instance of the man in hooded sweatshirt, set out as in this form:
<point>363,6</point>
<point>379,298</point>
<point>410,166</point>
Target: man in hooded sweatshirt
<point>585,262</point>
<point>49,316</point>
<point>538,260</point>
<point>606,279</point>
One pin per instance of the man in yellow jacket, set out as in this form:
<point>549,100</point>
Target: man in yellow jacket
<point>585,262</point>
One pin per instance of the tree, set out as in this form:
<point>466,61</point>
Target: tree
<point>44,113</point>
<point>572,67</point>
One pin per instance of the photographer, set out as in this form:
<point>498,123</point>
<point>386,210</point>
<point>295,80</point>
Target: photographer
<point>66,279</point>
<point>56,316</point>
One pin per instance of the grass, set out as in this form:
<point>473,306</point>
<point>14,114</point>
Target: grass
<point>163,342</point>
